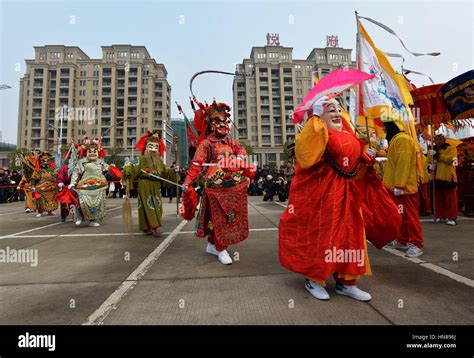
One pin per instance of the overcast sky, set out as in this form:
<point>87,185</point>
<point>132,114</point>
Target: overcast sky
<point>191,36</point>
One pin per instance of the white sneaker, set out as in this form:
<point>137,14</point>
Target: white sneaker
<point>437,220</point>
<point>224,257</point>
<point>51,213</point>
<point>413,251</point>
<point>27,210</point>
<point>78,222</point>
<point>317,291</point>
<point>451,222</point>
<point>353,292</point>
<point>39,215</point>
<point>211,249</point>
<point>396,245</point>
<point>94,224</point>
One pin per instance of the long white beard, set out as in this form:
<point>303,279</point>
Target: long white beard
<point>153,159</point>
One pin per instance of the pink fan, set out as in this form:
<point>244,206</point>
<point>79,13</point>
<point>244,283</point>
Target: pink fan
<point>331,85</point>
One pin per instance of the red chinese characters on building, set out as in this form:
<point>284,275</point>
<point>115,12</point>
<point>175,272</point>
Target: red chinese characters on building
<point>273,39</point>
<point>332,41</point>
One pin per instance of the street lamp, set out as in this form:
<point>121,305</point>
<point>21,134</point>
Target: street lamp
<point>60,133</point>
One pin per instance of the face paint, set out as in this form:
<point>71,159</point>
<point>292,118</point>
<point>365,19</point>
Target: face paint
<point>44,163</point>
<point>92,153</point>
<point>220,126</point>
<point>152,146</point>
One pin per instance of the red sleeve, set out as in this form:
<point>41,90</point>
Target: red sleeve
<point>201,156</point>
<point>239,150</point>
<point>62,176</point>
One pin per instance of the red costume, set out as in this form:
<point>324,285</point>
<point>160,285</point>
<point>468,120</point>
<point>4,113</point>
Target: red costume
<point>326,201</point>
<point>223,214</point>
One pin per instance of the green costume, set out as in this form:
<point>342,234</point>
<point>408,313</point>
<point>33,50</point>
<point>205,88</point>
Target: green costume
<point>150,208</point>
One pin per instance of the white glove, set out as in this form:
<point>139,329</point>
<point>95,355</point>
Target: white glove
<point>33,189</point>
<point>397,192</point>
<point>381,159</point>
<point>176,168</point>
<point>184,187</point>
<point>12,182</point>
<point>60,186</point>
<point>318,106</point>
<point>18,188</point>
<point>432,167</point>
<point>70,186</point>
<point>432,151</point>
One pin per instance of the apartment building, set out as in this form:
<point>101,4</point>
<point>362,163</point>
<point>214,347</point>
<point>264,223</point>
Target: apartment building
<point>273,86</point>
<point>65,95</point>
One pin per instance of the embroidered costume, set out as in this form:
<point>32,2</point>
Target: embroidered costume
<point>89,181</point>
<point>44,181</point>
<point>221,161</point>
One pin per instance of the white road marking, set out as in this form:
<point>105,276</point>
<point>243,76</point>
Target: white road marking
<point>459,218</point>
<point>428,265</point>
<point>87,235</point>
<point>14,212</point>
<point>43,227</point>
<point>450,274</point>
<point>114,299</point>
<point>276,202</point>
<point>251,230</point>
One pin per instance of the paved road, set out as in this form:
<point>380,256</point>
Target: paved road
<point>102,275</point>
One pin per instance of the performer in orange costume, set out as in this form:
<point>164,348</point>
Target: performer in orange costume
<point>446,199</point>
<point>401,179</point>
<point>322,230</point>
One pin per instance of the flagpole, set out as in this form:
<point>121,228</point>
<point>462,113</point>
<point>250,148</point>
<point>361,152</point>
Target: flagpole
<point>434,166</point>
<point>358,94</point>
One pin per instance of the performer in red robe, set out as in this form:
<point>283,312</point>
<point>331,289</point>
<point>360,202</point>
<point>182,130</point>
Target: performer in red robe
<point>66,198</point>
<point>223,214</point>
<point>321,233</point>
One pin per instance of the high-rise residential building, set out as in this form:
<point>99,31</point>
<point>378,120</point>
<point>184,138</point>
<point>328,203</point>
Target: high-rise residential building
<point>119,97</point>
<point>273,86</point>
<point>180,131</point>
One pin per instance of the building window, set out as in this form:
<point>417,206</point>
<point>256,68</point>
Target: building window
<point>54,55</point>
<point>42,56</point>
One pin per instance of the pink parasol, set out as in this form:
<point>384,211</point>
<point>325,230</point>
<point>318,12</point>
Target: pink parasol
<point>331,85</point>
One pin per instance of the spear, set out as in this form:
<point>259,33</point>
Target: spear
<point>165,180</point>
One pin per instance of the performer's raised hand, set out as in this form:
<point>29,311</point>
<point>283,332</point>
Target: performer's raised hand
<point>71,186</point>
<point>318,105</point>
<point>60,186</point>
